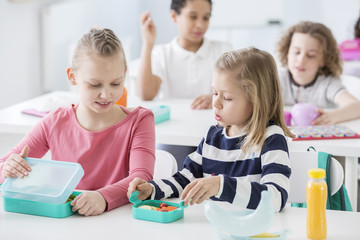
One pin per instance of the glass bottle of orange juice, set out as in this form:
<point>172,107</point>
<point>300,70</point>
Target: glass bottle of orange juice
<point>316,194</point>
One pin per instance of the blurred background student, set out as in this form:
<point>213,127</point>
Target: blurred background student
<point>182,67</point>
<point>310,55</point>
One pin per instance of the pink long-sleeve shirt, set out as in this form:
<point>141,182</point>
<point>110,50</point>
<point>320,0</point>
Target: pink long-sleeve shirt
<point>110,158</point>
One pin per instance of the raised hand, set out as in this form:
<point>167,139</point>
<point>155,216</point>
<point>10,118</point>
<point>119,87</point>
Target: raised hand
<point>148,29</point>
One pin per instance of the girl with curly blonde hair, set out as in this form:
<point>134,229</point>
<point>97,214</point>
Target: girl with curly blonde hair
<point>313,66</point>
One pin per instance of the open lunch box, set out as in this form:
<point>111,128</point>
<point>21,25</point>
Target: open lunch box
<point>151,210</point>
<point>45,191</point>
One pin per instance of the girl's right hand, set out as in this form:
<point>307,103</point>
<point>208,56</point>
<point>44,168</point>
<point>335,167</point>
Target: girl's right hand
<point>145,189</point>
<point>15,165</point>
<point>148,29</point>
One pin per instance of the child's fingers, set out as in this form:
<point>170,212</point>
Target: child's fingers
<point>320,110</point>
<point>186,195</point>
<point>17,170</point>
<point>7,174</point>
<point>319,120</point>
<point>144,17</point>
<point>73,202</point>
<point>196,194</point>
<point>133,185</point>
<point>18,160</point>
<point>84,209</point>
<point>15,166</point>
<point>143,187</point>
<point>25,152</point>
<point>205,196</point>
<point>78,203</point>
<point>187,189</point>
<point>91,212</point>
<point>195,103</point>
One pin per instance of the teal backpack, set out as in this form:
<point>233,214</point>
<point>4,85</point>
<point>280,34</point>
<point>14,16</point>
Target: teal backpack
<point>338,201</point>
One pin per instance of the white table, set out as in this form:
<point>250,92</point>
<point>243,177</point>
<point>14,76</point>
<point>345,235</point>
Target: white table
<point>187,127</point>
<point>119,224</point>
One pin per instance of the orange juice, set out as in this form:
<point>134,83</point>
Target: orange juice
<point>316,194</point>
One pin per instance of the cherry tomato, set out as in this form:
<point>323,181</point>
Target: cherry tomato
<point>162,205</point>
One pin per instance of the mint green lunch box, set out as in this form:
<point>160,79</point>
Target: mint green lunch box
<point>161,113</point>
<point>153,215</point>
<point>38,208</point>
<point>46,189</point>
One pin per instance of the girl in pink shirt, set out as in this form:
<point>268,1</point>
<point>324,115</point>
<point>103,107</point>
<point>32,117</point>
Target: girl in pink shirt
<point>112,143</point>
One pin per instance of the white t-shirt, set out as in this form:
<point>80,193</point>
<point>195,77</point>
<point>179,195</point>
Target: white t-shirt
<point>321,92</point>
<point>186,74</point>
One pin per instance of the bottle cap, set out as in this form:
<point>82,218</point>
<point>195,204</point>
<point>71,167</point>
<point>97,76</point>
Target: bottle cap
<point>317,173</point>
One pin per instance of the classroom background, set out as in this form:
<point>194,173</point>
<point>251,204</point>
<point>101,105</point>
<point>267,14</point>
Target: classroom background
<point>37,36</point>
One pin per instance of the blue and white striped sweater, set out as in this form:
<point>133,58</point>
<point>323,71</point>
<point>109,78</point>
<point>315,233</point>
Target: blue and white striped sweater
<point>243,174</point>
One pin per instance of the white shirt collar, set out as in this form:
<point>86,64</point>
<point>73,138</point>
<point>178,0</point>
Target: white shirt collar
<point>183,53</point>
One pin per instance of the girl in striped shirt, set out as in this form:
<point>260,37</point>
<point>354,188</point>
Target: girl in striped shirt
<point>246,152</point>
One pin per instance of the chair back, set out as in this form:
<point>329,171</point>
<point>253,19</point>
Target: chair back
<point>300,163</point>
<point>165,164</point>
<point>123,99</point>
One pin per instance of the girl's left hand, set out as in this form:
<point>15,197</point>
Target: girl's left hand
<point>200,190</point>
<point>325,118</point>
<point>89,203</point>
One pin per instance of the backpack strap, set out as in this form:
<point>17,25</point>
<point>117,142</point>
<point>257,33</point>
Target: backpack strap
<point>342,199</point>
<point>324,162</point>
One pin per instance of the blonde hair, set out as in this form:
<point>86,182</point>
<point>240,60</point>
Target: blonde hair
<point>101,41</point>
<point>255,71</point>
<point>331,56</point>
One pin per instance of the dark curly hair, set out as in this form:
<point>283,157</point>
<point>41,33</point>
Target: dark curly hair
<point>357,28</point>
<point>177,5</point>
<point>331,55</point>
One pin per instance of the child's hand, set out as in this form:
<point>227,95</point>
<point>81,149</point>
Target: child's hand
<point>325,118</point>
<point>145,189</point>
<point>89,203</point>
<point>202,102</point>
<point>148,29</point>
<point>200,190</point>
<point>15,165</point>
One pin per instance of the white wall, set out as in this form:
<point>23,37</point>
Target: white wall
<point>19,51</point>
<point>21,47</point>
<point>64,22</point>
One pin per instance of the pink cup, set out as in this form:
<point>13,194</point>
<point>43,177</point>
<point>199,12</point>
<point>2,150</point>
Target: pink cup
<point>287,116</point>
<point>304,113</point>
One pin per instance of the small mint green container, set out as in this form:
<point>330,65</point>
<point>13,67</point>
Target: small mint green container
<point>153,215</point>
<point>161,113</point>
<point>38,208</point>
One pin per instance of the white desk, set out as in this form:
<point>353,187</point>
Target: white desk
<point>187,127</point>
<point>119,224</point>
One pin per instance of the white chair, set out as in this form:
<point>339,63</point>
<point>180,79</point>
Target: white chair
<point>165,164</point>
<point>300,163</point>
